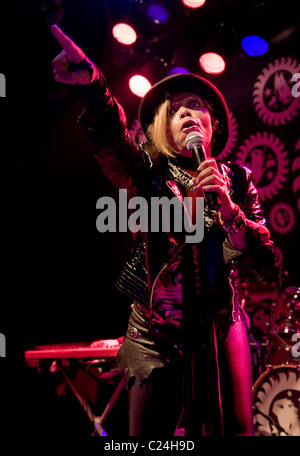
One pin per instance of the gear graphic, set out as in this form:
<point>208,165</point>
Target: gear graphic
<point>295,169</point>
<point>266,157</point>
<point>282,218</point>
<point>272,95</point>
<point>233,134</point>
<point>136,132</point>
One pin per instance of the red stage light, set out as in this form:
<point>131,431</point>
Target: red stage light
<point>124,33</point>
<point>139,85</point>
<point>212,63</point>
<point>193,3</point>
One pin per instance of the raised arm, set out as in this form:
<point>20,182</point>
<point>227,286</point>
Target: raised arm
<point>103,117</point>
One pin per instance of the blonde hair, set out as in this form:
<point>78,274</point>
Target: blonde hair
<point>157,132</point>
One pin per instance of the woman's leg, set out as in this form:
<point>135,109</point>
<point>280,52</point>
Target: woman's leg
<point>154,407</point>
<point>237,378</point>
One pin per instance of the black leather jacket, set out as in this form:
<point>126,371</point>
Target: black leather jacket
<point>141,171</point>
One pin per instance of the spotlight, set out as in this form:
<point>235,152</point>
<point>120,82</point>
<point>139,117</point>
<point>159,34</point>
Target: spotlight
<point>139,85</point>
<point>177,70</point>
<point>193,3</point>
<point>124,33</point>
<point>157,13</point>
<point>155,17</point>
<point>220,46</point>
<point>254,45</point>
<point>212,63</point>
<point>258,30</point>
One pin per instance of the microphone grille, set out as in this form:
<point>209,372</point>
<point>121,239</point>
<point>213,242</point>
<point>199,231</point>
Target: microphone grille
<point>193,139</point>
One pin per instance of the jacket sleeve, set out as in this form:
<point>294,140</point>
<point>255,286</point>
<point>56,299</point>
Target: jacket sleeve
<point>106,126</point>
<point>258,259</point>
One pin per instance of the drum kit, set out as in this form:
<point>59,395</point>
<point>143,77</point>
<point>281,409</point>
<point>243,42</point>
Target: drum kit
<point>274,339</point>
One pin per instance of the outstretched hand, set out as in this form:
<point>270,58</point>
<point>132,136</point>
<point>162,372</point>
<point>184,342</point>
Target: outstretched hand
<point>70,55</point>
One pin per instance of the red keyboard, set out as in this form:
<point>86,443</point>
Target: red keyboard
<point>107,348</point>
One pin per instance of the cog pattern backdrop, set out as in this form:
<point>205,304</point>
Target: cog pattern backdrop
<point>269,145</point>
<point>272,95</point>
<point>272,151</point>
<point>273,157</point>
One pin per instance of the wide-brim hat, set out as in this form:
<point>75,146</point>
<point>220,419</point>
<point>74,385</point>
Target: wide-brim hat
<point>188,83</point>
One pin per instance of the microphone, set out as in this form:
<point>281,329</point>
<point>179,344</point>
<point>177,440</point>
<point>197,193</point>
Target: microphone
<point>194,142</point>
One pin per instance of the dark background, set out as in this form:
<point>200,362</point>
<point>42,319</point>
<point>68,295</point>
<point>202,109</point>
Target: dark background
<point>57,272</point>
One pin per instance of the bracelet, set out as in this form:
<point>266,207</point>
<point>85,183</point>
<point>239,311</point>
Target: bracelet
<point>85,64</point>
<point>236,222</point>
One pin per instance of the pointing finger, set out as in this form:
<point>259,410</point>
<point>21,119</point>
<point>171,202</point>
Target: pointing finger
<point>73,53</point>
<point>59,35</point>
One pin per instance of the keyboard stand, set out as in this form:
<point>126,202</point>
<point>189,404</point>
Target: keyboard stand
<point>97,421</point>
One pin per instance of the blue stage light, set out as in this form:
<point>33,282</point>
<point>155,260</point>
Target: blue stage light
<point>177,70</point>
<point>157,13</point>
<point>254,45</point>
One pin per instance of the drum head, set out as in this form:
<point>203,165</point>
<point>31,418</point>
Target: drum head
<point>276,402</point>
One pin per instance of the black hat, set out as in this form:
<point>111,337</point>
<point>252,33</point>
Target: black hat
<point>188,83</point>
